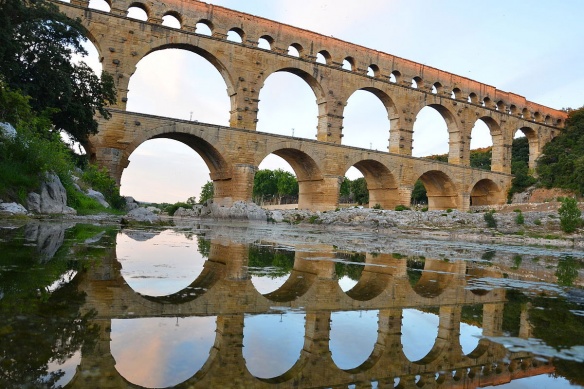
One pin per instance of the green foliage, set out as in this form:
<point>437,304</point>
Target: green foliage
<point>314,219</point>
<point>352,268</point>
<point>562,162</point>
<point>567,271</point>
<point>359,191</point>
<point>419,195</point>
<point>171,209</point>
<point>490,219</point>
<point>101,181</point>
<point>270,262</point>
<point>377,206</point>
<point>37,43</point>
<point>481,158</point>
<point>570,215</point>
<point>400,208</point>
<point>207,192</point>
<point>274,184</point>
<point>519,218</point>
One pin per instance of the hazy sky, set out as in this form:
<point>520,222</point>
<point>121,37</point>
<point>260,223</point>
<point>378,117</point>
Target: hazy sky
<point>531,48</point>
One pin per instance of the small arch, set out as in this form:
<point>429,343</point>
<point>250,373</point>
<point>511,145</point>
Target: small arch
<point>473,98</point>
<point>204,27</point>
<point>537,116</point>
<point>100,5</point>
<point>525,114</point>
<point>547,119</point>
<point>500,106</point>
<point>456,94</point>
<point>138,11</point>
<point>487,102</point>
<point>266,42</point>
<point>436,88</point>
<point>513,109</point>
<point>236,35</point>
<point>295,50</point>
<point>373,71</point>
<point>323,57</point>
<point>484,192</point>
<point>349,64</point>
<point>395,77</point>
<point>416,82</point>
<point>559,123</point>
<point>172,19</point>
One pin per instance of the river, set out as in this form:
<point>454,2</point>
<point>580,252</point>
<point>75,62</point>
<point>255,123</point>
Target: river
<point>203,304</point>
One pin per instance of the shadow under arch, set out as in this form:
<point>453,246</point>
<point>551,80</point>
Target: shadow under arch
<point>308,173</point>
<point>441,190</point>
<point>485,192</point>
<point>533,142</point>
<point>212,273</point>
<point>379,271</point>
<point>220,169</point>
<point>381,183</point>
<point>437,276</point>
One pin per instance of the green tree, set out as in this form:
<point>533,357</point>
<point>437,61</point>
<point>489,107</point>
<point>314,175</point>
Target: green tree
<point>37,44</point>
<point>207,192</point>
<point>419,194</point>
<point>481,158</point>
<point>359,191</point>
<point>274,184</point>
<point>562,162</point>
<point>570,215</point>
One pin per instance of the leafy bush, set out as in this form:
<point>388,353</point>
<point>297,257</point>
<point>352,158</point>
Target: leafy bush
<point>519,218</point>
<point>377,206</point>
<point>101,181</point>
<point>570,215</point>
<point>171,209</point>
<point>490,219</point>
<point>400,208</point>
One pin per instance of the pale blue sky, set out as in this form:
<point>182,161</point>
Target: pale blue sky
<point>531,48</point>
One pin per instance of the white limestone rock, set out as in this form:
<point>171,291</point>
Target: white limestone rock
<point>141,215</point>
<point>54,197</point>
<point>12,209</point>
<point>97,196</point>
<point>131,204</point>
<point>7,131</point>
<point>33,202</point>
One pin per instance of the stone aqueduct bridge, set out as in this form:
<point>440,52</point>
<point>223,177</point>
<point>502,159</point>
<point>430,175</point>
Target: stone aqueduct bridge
<point>233,154</point>
<point>226,291</point>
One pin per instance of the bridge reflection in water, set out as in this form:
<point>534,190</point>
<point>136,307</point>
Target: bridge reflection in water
<point>219,331</point>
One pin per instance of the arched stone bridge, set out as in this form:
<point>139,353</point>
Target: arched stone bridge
<point>229,296</point>
<point>233,154</point>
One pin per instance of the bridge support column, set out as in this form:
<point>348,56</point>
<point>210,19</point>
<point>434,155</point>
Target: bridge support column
<point>238,188</point>
<point>401,135</point>
<point>463,202</point>
<point>493,319</point>
<point>404,195</point>
<point>501,154</point>
<point>319,195</point>
<point>387,198</point>
<point>330,122</point>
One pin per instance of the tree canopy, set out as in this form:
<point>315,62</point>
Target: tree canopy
<point>37,45</point>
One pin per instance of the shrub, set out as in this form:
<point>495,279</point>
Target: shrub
<point>569,215</point>
<point>449,210</point>
<point>171,209</point>
<point>400,208</point>
<point>537,222</point>
<point>101,181</point>
<point>490,219</point>
<point>425,209</point>
<point>377,206</point>
<point>519,218</point>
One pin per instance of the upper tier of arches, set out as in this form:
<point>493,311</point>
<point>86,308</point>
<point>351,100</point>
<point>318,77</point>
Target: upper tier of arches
<point>251,31</point>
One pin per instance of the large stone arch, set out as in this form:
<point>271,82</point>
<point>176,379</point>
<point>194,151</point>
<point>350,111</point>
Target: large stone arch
<point>304,74</point>
<point>441,190</point>
<point>486,192</point>
<point>534,144</point>
<point>393,116</point>
<point>198,46</point>
<point>221,170</point>
<point>456,136</point>
<point>316,191</point>
<point>498,160</point>
<point>381,182</point>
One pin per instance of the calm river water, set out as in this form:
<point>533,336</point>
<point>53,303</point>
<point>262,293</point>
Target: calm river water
<point>221,305</point>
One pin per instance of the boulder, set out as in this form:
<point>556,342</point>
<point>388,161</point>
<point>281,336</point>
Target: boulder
<point>154,210</point>
<point>33,202</point>
<point>183,212</point>
<point>141,215</point>
<point>97,196</point>
<point>54,197</point>
<point>131,204</point>
<point>239,210</point>
<point>7,131</point>
<point>11,209</point>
